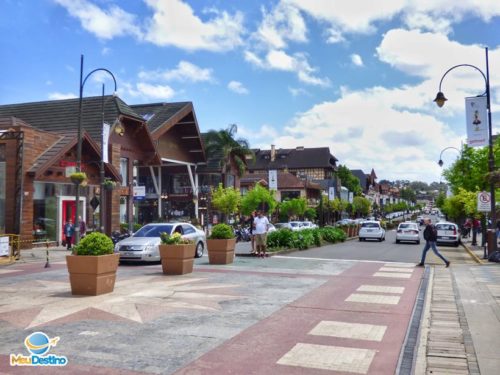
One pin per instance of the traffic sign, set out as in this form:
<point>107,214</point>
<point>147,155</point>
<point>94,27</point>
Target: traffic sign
<point>483,201</point>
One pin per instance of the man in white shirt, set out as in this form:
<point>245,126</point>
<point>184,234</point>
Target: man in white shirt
<point>260,225</point>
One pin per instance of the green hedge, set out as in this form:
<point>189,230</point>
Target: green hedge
<point>304,239</point>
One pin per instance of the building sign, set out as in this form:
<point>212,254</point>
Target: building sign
<point>476,115</point>
<point>139,192</point>
<point>483,201</point>
<point>331,193</point>
<point>273,179</point>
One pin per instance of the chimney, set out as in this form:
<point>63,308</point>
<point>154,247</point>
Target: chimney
<point>273,153</point>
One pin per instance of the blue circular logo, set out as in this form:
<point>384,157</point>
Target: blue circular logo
<point>37,343</point>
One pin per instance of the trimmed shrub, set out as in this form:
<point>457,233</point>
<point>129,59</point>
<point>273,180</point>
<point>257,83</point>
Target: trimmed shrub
<point>222,232</point>
<point>95,243</point>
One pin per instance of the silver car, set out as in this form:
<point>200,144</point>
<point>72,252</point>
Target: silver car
<point>142,246</point>
<point>448,233</point>
<point>408,232</point>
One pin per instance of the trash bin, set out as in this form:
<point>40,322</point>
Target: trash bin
<point>491,241</point>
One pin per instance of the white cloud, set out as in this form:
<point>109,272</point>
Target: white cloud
<point>284,23</point>
<point>145,91</point>
<point>297,91</point>
<point>105,24</point>
<point>184,72</point>
<point>61,96</point>
<point>280,60</point>
<point>175,24</point>
<point>105,51</point>
<point>237,87</point>
<point>356,59</point>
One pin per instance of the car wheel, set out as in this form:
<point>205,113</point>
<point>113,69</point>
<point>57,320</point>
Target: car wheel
<point>457,243</point>
<point>360,239</point>
<point>418,242</point>
<point>397,241</point>
<point>380,239</point>
<point>199,250</point>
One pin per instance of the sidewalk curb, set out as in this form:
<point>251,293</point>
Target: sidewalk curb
<point>472,254</point>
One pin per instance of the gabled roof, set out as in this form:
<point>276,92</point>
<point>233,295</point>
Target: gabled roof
<point>285,181</point>
<point>157,114</point>
<point>294,158</point>
<point>61,116</point>
<point>362,177</point>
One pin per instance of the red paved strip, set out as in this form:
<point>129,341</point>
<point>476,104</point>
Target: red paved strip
<point>257,349</point>
<point>28,268</point>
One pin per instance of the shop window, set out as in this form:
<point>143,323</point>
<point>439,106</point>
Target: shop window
<point>44,212</point>
<point>124,171</point>
<point>123,210</point>
<point>2,188</point>
<point>290,195</point>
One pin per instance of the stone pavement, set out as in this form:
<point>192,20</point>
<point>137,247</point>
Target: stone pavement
<point>279,315</point>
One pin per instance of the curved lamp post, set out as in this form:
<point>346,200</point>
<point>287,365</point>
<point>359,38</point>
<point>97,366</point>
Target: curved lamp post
<point>79,146</point>
<point>441,99</point>
<point>440,162</point>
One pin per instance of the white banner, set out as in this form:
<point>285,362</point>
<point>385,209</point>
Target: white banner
<point>105,140</point>
<point>273,179</point>
<point>331,193</point>
<point>476,115</point>
<point>483,201</point>
<point>351,197</point>
<point>4,247</point>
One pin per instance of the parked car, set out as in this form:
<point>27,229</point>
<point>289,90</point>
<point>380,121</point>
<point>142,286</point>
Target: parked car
<point>143,244</point>
<point>360,221</point>
<point>408,232</point>
<point>295,225</point>
<point>283,226</point>
<point>271,228</point>
<point>448,233</point>
<point>371,230</point>
<point>344,222</point>
<point>308,225</point>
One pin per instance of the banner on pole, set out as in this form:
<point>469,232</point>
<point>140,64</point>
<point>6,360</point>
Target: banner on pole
<point>273,179</point>
<point>476,115</point>
<point>331,193</point>
<point>105,140</point>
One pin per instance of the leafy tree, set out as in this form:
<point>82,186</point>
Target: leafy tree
<point>361,206</point>
<point>408,194</point>
<point>294,207</point>
<point>461,205</point>
<point>440,200</point>
<point>348,180</point>
<point>338,205</point>
<point>256,198</point>
<point>310,213</point>
<point>226,200</point>
<point>222,143</point>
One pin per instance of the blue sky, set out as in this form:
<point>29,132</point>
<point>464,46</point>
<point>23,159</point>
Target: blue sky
<point>358,76</point>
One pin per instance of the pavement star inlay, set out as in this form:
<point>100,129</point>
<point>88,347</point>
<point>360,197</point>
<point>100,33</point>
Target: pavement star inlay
<point>138,299</point>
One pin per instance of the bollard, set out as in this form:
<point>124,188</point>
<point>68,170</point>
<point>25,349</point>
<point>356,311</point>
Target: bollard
<point>47,264</point>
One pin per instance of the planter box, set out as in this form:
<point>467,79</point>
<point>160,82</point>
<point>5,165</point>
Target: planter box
<point>221,251</point>
<point>92,275</point>
<point>177,259</point>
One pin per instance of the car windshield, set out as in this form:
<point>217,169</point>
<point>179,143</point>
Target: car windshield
<point>369,225</point>
<point>153,230</point>
<point>294,224</point>
<point>445,227</point>
<point>407,226</point>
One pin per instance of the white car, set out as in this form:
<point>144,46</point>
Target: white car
<point>308,225</point>
<point>448,233</point>
<point>142,246</point>
<point>371,230</point>
<point>283,226</point>
<point>271,228</point>
<point>295,225</point>
<point>408,232</point>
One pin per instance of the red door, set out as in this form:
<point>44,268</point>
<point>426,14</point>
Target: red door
<point>68,212</point>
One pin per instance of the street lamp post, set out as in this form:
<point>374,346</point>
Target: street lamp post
<point>79,144</point>
<point>440,162</point>
<point>441,99</point>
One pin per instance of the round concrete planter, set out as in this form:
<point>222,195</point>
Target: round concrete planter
<point>92,275</point>
<point>177,259</point>
<point>221,251</point>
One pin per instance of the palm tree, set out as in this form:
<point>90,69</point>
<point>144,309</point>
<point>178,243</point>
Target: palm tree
<point>231,151</point>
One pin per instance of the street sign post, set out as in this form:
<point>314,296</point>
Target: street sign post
<point>483,201</point>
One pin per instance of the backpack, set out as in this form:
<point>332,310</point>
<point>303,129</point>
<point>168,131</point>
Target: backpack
<point>434,231</point>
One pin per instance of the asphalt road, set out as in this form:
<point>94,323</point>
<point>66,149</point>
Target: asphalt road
<point>387,251</point>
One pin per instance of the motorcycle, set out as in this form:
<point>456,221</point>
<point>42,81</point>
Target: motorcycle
<point>242,234</point>
<point>117,236</point>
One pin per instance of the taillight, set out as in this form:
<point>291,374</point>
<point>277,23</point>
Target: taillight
<point>454,231</point>
<point>415,231</point>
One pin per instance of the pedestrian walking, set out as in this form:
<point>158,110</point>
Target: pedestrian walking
<point>260,228</point>
<point>430,236</point>
<point>68,230</point>
<point>476,228</point>
<point>252,237</point>
<point>467,228</point>
<point>83,227</point>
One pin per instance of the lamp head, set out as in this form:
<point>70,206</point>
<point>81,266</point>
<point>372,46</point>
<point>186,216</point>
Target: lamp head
<point>440,162</point>
<point>440,99</point>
